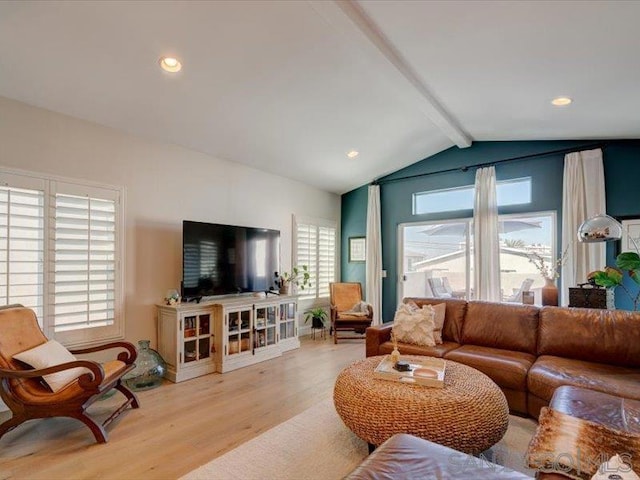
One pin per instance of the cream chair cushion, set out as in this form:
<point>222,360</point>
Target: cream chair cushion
<point>50,354</point>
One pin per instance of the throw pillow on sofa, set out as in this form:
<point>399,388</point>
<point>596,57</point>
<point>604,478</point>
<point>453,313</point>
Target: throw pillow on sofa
<point>440,310</point>
<point>415,325</point>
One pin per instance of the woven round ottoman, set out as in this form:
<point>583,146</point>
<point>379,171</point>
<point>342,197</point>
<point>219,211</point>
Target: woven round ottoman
<point>469,414</point>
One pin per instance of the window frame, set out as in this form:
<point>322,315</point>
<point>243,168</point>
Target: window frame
<point>315,298</point>
<point>84,336</point>
<point>555,232</point>
<point>471,189</point>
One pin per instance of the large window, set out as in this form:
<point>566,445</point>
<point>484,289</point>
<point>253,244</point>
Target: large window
<point>315,246</point>
<point>437,257</point>
<point>60,250</point>
<point>508,192</point>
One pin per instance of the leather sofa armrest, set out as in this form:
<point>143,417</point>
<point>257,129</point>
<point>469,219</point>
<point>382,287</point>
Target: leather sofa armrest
<point>376,336</point>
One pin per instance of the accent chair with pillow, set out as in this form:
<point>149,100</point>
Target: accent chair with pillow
<point>348,311</point>
<point>39,378</point>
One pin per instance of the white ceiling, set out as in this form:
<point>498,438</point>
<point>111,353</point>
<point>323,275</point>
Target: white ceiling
<point>289,87</point>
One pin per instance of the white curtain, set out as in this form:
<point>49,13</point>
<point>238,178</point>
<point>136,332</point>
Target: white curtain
<point>374,255</point>
<point>486,257</point>
<point>583,196</point>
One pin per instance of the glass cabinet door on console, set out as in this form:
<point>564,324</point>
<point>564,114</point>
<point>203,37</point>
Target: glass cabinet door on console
<point>197,337</point>
<point>287,320</point>
<point>239,331</point>
<point>265,326</point>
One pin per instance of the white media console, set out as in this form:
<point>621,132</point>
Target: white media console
<point>223,334</point>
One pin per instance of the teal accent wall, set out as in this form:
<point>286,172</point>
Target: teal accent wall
<point>354,224</point>
<point>621,161</point>
<point>622,172</point>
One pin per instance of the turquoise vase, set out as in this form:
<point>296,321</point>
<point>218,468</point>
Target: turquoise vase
<point>149,370</point>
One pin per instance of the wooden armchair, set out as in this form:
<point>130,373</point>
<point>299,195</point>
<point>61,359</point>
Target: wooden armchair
<point>344,296</point>
<point>28,397</point>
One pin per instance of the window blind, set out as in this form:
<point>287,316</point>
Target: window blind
<point>326,259</point>
<point>316,247</point>
<point>307,254</point>
<point>83,261</point>
<point>22,247</point>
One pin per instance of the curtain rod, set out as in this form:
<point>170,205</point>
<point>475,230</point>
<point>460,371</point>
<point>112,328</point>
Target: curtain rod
<point>496,162</point>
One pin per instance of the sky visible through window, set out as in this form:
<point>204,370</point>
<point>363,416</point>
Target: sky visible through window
<point>510,192</point>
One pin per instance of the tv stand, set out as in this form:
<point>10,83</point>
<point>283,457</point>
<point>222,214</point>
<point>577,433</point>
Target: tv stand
<point>224,334</point>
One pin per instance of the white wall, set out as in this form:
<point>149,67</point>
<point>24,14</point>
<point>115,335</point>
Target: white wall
<point>165,184</point>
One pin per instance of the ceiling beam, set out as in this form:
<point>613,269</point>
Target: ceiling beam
<point>349,18</point>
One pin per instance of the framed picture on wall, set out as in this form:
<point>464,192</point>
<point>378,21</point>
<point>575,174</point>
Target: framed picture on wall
<point>357,249</point>
<point>630,228</point>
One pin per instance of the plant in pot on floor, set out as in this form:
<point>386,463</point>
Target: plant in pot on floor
<point>318,317</point>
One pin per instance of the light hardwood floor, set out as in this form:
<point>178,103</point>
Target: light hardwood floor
<point>179,426</point>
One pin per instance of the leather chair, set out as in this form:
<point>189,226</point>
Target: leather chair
<point>28,397</point>
<point>344,297</point>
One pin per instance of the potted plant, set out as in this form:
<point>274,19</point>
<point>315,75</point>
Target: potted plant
<point>318,317</point>
<point>612,277</point>
<point>299,276</point>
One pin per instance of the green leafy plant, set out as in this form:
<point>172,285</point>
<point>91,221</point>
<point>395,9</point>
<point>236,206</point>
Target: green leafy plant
<point>318,316</point>
<point>612,277</point>
<point>299,276</point>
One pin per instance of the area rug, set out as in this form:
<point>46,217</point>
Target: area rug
<point>316,445</point>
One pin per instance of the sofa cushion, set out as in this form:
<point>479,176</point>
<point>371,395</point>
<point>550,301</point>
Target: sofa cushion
<point>593,335</point>
<point>501,325</point>
<point>507,368</point>
<point>550,372</point>
<point>406,349</point>
<point>454,316</point>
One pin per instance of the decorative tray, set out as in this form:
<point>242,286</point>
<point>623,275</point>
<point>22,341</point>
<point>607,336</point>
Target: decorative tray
<point>425,371</point>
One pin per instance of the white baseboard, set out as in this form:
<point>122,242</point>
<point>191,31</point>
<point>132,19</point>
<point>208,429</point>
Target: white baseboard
<point>305,330</point>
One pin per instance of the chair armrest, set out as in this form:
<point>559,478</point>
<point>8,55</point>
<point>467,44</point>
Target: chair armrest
<point>334,313</point>
<point>376,336</point>
<point>127,357</point>
<point>87,381</point>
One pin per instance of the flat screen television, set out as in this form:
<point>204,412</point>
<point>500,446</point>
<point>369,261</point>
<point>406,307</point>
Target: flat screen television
<point>223,259</point>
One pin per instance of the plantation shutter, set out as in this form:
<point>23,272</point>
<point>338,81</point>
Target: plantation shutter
<point>315,246</point>
<point>22,243</point>
<point>326,259</point>
<point>83,259</point>
<point>306,254</point>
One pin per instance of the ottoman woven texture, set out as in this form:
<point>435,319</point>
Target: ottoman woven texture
<point>469,414</point>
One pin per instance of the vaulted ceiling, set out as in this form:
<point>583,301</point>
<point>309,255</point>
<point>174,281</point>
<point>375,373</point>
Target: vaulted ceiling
<point>289,87</point>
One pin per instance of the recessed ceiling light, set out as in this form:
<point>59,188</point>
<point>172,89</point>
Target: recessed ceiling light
<point>353,153</point>
<point>170,64</point>
<point>561,101</point>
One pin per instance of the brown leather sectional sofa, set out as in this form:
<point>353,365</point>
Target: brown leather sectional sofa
<point>530,351</point>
